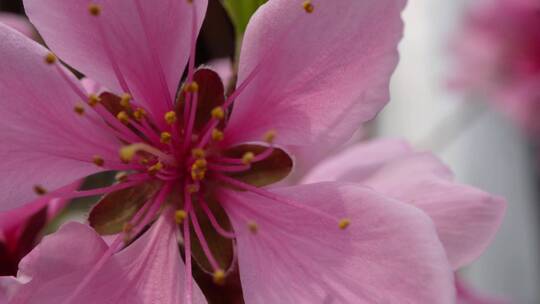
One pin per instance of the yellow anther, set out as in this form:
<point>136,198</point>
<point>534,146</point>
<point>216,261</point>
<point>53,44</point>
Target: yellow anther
<point>94,9</point>
<point>50,58</point>
<point>218,113</point>
<point>193,188</point>
<point>198,174</point>
<point>139,114</point>
<point>125,100</point>
<point>247,158</point>
<point>191,87</point>
<point>198,153</point>
<point>79,109</point>
<point>308,6</point>
<point>253,227</point>
<point>217,135</point>
<point>344,223</point>
<point>121,176</point>
<point>40,190</point>
<point>98,161</point>
<point>170,117</point>
<point>165,137</point>
<point>127,153</point>
<point>123,117</point>
<point>180,216</point>
<point>152,170</point>
<point>200,163</point>
<point>93,100</point>
<point>219,277</point>
<point>144,161</point>
<point>269,136</point>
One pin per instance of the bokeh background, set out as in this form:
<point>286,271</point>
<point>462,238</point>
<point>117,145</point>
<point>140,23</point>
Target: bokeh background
<point>483,148</point>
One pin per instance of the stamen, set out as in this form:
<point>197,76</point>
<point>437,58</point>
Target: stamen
<point>218,113</point>
<point>308,6</point>
<point>198,153</point>
<point>187,253</point>
<point>213,220</point>
<point>125,100</point>
<point>50,58</point>
<point>153,170</point>
<point>200,163</point>
<point>165,137</point>
<point>217,135</point>
<point>202,241</point>
<point>93,100</point>
<point>127,153</point>
<point>98,161</point>
<point>180,216</point>
<point>123,117</point>
<point>253,227</point>
<point>193,188</point>
<point>191,87</point>
<point>170,117</point>
<point>40,190</point>
<point>94,9</point>
<point>219,277</point>
<point>79,109</point>
<point>344,223</point>
<point>270,136</point>
<point>139,114</point>
<point>247,158</point>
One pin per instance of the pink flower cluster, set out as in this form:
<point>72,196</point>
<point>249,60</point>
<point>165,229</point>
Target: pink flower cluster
<point>200,189</point>
<point>498,53</point>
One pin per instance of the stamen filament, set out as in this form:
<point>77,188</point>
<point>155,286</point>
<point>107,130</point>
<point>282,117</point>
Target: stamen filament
<point>224,233</point>
<point>202,241</point>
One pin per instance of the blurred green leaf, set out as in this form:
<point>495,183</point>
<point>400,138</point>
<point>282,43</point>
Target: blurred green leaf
<point>241,11</point>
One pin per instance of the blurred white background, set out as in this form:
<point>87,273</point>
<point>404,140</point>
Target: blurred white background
<point>488,152</point>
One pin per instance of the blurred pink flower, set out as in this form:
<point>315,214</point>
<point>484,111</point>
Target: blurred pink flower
<point>498,54</point>
<point>309,74</point>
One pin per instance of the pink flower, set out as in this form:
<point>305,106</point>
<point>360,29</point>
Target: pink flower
<point>498,53</point>
<point>466,219</point>
<point>309,74</point>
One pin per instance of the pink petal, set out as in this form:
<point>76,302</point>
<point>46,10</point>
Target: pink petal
<point>43,141</point>
<point>466,218</point>
<point>151,67</point>
<point>389,253</point>
<point>19,23</point>
<point>320,75</point>
<point>148,271</point>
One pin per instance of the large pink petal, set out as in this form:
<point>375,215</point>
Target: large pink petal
<point>466,218</point>
<point>151,67</point>
<point>42,140</point>
<point>390,253</point>
<point>320,75</point>
<point>149,271</point>
<point>19,23</point>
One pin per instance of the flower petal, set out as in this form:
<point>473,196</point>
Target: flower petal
<point>151,67</point>
<point>148,271</point>
<point>466,218</point>
<point>19,23</point>
<point>319,75</point>
<point>43,141</point>
<point>389,253</point>
<point>466,295</point>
